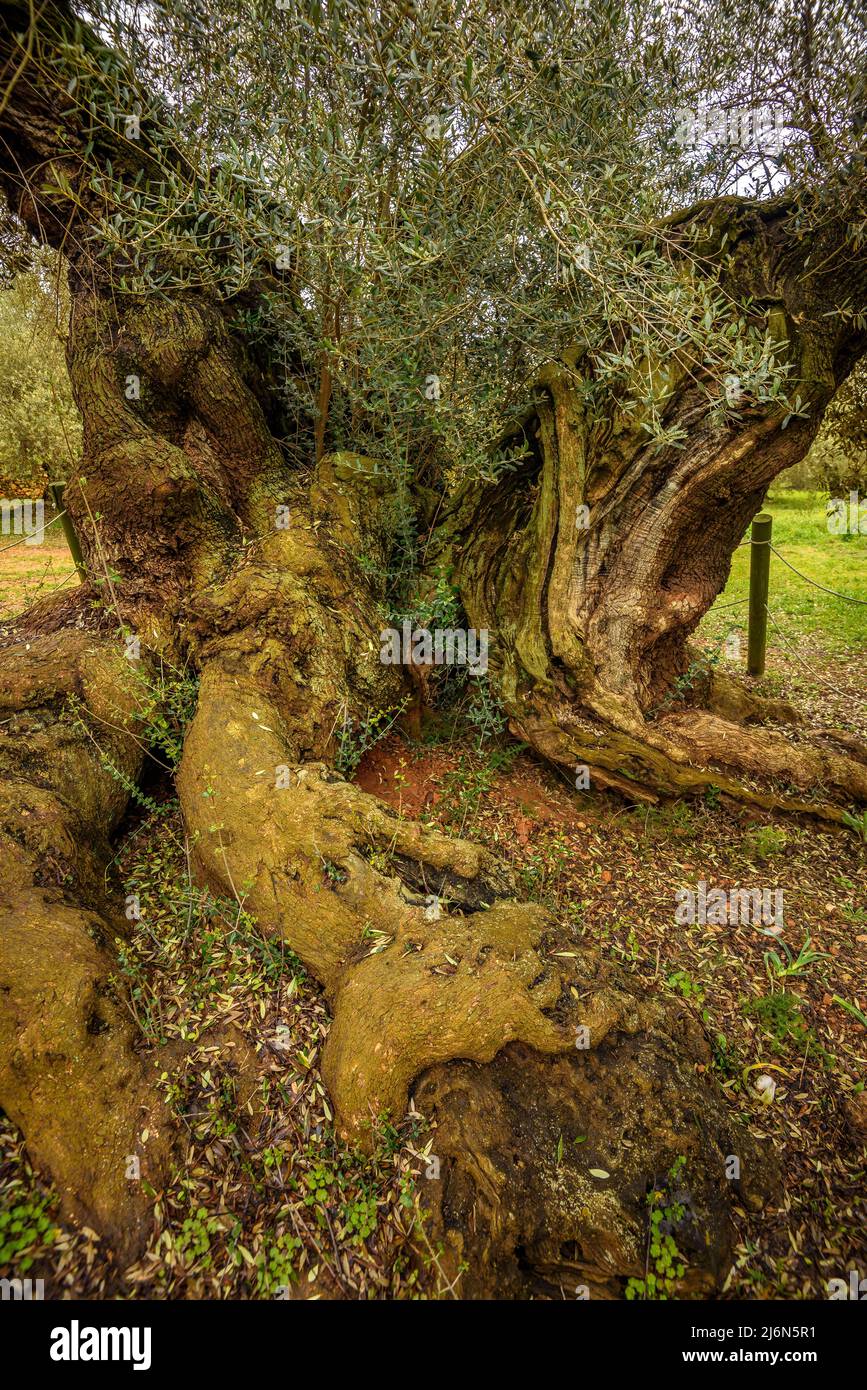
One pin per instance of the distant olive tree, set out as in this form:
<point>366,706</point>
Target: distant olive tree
<point>40,427</point>
<point>837,461</point>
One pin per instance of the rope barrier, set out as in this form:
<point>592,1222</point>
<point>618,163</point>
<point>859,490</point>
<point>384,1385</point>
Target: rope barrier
<point>23,540</point>
<point>811,670</point>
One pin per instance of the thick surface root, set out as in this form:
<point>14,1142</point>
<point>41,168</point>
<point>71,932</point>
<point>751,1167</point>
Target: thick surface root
<point>837,770</point>
<point>463,987</point>
<point>441,987</point>
<point>70,1077</point>
<point>545,1164</point>
<point>685,752</point>
<point>300,845</point>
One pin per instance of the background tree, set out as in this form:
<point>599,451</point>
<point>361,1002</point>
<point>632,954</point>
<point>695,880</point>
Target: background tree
<point>840,452</point>
<point>40,428</point>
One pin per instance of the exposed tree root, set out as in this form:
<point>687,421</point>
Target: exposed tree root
<point>687,752</point>
<point>70,1077</point>
<point>730,699</point>
<point>440,984</point>
<point>766,754</point>
<point>516,1205</point>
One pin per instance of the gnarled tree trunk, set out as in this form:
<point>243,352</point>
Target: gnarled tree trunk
<point>594,564</point>
<point>475,1006</point>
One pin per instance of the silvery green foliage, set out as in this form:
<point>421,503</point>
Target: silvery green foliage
<point>431,199</point>
<point>40,429</point>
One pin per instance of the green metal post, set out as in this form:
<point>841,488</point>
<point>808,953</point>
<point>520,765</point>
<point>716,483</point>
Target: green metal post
<point>760,569</point>
<point>56,490</point>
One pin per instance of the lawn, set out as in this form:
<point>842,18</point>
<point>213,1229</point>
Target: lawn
<point>797,607</point>
<point>31,572</point>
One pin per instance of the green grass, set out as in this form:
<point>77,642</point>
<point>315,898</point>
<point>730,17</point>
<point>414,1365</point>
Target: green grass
<point>839,562</point>
<point>31,572</point>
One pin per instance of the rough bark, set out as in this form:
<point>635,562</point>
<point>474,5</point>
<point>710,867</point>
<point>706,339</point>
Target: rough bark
<point>432,970</point>
<point>472,1005</point>
<point>70,1075</point>
<point>590,625</point>
<point>516,1204</point>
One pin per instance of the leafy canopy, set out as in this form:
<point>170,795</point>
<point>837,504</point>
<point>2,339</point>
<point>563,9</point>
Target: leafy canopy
<point>414,205</point>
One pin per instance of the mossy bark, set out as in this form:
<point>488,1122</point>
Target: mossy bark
<point>592,564</point>
<point>70,1073</point>
<point>202,540</point>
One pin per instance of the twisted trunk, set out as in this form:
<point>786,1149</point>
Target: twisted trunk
<point>204,542</point>
<point>594,563</point>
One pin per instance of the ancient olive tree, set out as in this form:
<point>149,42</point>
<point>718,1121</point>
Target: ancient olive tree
<point>366,302</point>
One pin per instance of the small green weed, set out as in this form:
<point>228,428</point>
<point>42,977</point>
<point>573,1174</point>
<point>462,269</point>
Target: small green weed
<point>668,1207</point>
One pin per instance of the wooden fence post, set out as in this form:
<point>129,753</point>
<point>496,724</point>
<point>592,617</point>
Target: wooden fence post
<point>56,490</point>
<point>760,568</point>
